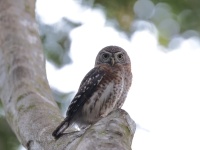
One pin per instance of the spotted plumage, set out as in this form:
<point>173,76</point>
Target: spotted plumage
<point>102,90</point>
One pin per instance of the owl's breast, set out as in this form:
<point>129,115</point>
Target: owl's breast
<point>104,99</point>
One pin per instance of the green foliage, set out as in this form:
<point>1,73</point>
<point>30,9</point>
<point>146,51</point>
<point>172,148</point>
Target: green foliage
<point>172,18</point>
<point>187,11</point>
<point>119,13</point>
<point>8,140</point>
<point>56,41</point>
<point>120,10</point>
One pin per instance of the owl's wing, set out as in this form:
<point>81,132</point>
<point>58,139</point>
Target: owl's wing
<point>87,87</point>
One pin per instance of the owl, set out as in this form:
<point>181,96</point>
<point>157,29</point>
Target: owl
<point>103,89</point>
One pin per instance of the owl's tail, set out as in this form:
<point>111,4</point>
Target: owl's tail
<point>61,128</point>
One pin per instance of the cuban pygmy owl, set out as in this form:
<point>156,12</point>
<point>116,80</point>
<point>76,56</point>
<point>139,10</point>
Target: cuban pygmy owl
<point>102,90</point>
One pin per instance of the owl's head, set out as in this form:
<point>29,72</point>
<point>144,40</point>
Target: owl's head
<point>112,55</point>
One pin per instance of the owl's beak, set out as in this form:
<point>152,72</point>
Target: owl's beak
<point>112,61</point>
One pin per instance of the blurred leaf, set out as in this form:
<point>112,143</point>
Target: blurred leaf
<point>63,99</point>
<point>171,17</point>
<point>8,140</point>
<point>56,41</point>
<point>188,12</point>
<point>121,11</point>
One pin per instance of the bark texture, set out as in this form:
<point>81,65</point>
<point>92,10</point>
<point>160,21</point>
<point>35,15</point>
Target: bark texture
<point>26,96</point>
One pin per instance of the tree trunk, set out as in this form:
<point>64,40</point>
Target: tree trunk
<point>26,96</point>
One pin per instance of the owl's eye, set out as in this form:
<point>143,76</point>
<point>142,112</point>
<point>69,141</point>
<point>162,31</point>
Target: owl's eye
<point>105,56</point>
<point>120,56</point>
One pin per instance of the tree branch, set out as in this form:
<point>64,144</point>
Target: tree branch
<point>26,96</point>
